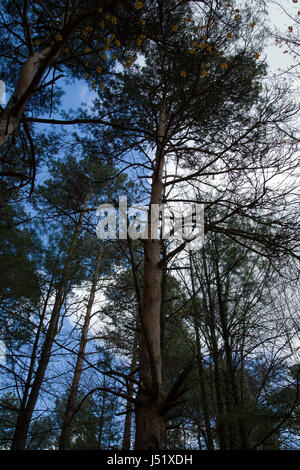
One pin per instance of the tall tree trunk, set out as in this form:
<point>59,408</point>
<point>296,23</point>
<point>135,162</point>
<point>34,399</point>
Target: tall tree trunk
<point>71,402</point>
<point>209,306</point>
<point>101,420</point>
<point>233,391</point>
<point>150,418</point>
<point>130,390</point>
<point>33,357</point>
<point>25,415</point>
<point>209,436</point>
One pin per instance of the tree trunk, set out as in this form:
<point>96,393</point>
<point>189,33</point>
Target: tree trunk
<point>25,415</point>
<point>130,390</point>
<point>235,401</point>
<point>209,306</point>
<point>71,402</point>
<point>101,420</point>
<point>10,117</point>
<point>209,436</point>
<point>33,359</point>
<point>150,418</point>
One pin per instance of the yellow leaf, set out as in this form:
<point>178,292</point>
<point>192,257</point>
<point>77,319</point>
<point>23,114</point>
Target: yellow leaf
<point>229,35</point>
<point>87,50</point>
<point>203,73</point>
<point>192,51</point>
<point>118,43</point>
<point>139,42</point>
<point>256,55</point>
<point>175,28</point>
<point>224,66</point>
<point>58,37</point>
<point>139,5</point>
<point>99,69</point>
<point>236,17</point>
<point>252,25</point>
<point>100,10</point>
<point>142,20</point>
<point>130,62</point>
<point>183,73</point>
<point>86,76</point>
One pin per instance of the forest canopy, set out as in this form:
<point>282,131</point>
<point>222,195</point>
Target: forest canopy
<point>144,341</point>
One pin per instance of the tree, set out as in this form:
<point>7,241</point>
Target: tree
<point>188,101</point>
<point>193,123</point>
<point>67,193</point>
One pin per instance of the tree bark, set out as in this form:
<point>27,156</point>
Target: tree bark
<point>71,402</point>
<point>150,417</point>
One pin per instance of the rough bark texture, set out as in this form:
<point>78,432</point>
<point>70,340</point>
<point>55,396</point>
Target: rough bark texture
<point>11,115</point>
<point>150,418</point>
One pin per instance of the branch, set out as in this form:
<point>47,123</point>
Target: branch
<point>285,418</point>
<point>175,390</point>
